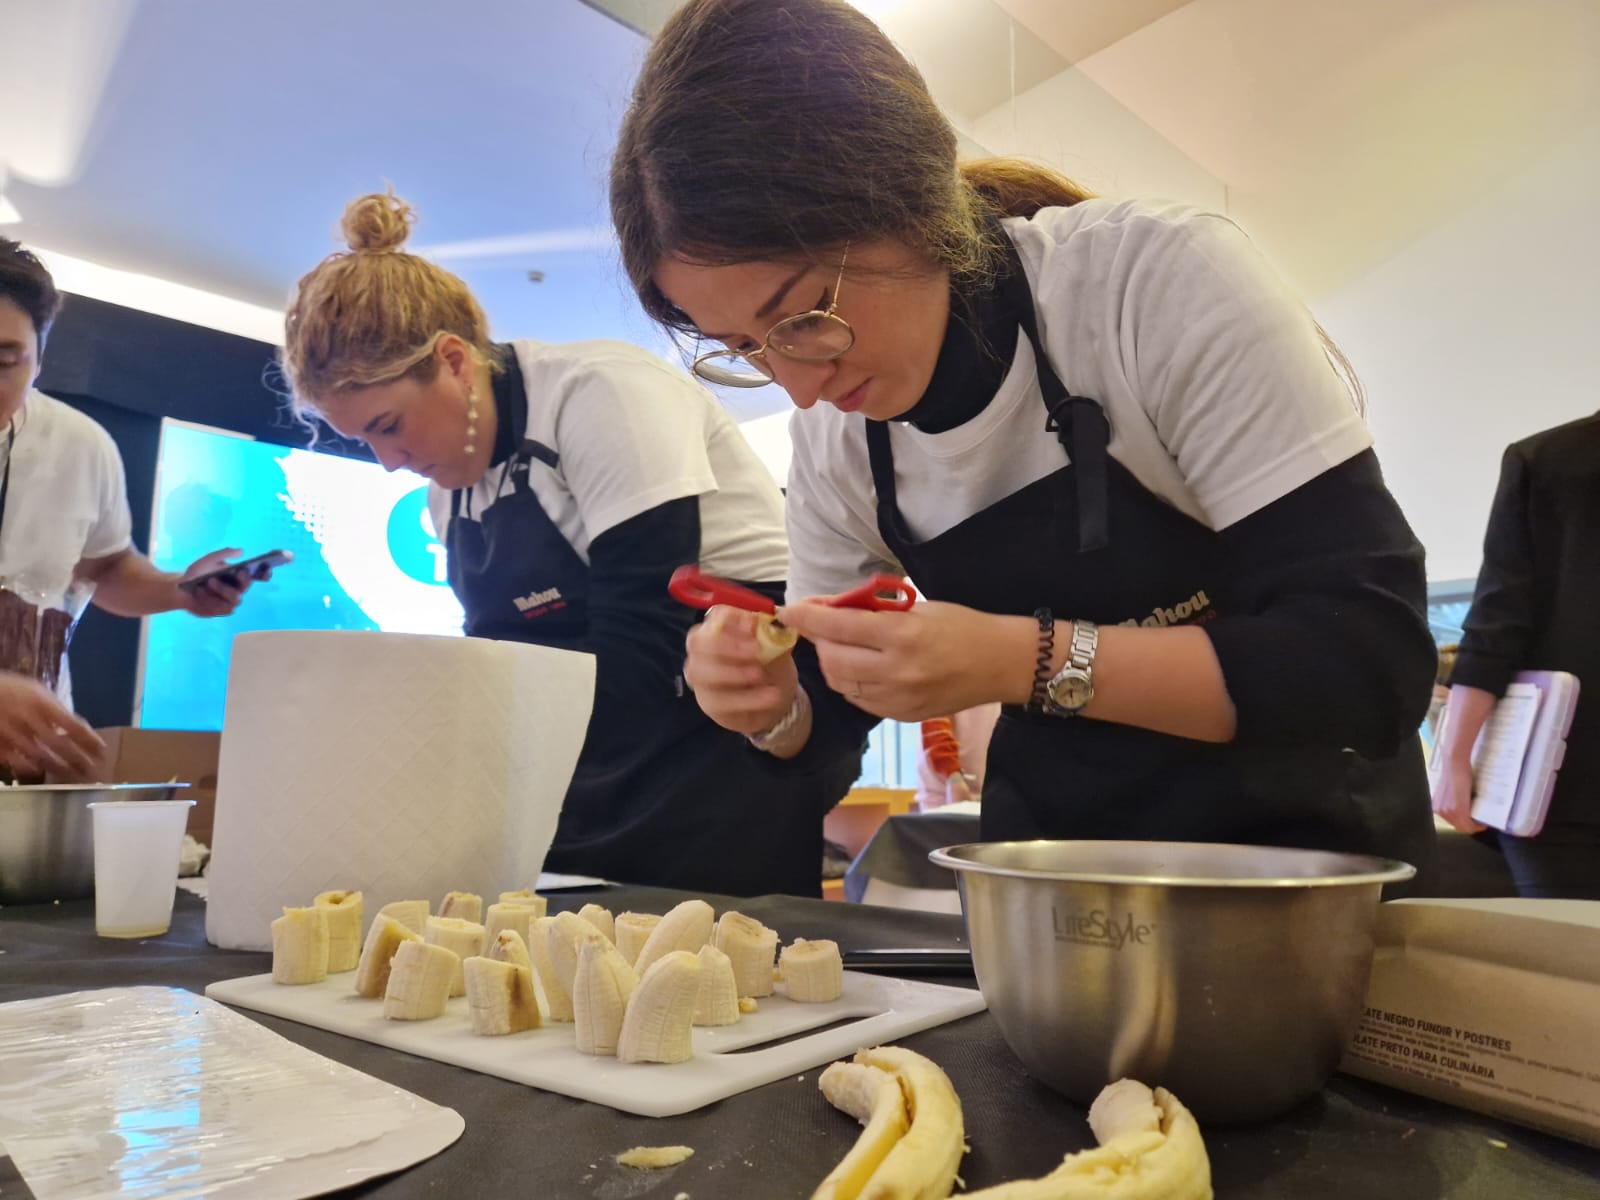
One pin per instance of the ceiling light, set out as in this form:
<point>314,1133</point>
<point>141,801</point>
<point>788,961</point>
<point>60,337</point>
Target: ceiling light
<point>8,212</point>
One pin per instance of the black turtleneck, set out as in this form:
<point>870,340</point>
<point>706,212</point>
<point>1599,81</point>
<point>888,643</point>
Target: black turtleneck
<point>980,341</point>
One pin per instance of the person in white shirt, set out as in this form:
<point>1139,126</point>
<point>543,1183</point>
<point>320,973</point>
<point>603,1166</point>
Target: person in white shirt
<point>1117,457</point>
<point>65,539</point>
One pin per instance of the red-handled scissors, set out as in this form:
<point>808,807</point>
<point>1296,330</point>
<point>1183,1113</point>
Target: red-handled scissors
<point>881,593</point>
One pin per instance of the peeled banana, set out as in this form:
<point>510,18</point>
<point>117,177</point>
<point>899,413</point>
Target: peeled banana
<point>413,914</point>
<point>557,996</point>
<point>300,946</point>
<point>384,937</point>
<point>632,931</point>
<point>927,1157</point>
<point>600,917</point>
<point>600,993</point>
<point>419,981</point>
<point>686,926</point>
<point>752,947</point>
<point>872,1096</point>
<point>462,938</point>
<point>813,971</point>
<point>1150,1149</point>
<point>344,929</point>
<point>659,1024</point>
<point>718,1001</point>
<point>500,997</point>
<point>463,906</point>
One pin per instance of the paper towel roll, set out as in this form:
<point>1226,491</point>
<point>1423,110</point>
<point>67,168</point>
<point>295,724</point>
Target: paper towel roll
<point>401,765</point>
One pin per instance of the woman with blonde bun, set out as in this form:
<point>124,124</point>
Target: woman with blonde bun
<point>567,482</point>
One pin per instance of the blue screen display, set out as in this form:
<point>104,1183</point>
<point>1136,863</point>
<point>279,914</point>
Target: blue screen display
<point>365,557</point>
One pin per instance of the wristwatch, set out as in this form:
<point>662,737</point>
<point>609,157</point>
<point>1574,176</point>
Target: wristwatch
<point>1072,687</point>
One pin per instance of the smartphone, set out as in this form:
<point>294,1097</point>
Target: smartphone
<point>253,568</point>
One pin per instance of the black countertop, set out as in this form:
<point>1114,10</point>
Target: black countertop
<point>1356,1141</point>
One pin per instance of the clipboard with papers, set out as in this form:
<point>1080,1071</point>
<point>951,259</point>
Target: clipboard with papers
<point>1520,750</point>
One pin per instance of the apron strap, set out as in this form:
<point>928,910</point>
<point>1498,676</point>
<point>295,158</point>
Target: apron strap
<point>892,526</point>
<point>1077,421</point>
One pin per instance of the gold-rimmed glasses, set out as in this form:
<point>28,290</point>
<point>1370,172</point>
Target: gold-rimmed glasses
<point>813,337</point>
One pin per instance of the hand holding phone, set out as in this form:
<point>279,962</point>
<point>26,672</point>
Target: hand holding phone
<point>236,573</point>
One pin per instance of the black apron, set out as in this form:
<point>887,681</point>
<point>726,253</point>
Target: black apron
<point>661,795</point>
<point>1090,541</point>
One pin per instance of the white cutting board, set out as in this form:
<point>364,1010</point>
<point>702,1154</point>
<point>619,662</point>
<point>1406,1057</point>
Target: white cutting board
<point>875,1009</point>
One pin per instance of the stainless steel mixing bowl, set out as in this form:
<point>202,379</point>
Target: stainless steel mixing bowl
<point>47,837</point>
<point>1232,975</point>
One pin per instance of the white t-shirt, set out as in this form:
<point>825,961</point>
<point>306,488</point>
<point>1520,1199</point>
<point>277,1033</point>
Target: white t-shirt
<point>631,434</point>
<point>1210,371</point>
<point>67,500</point>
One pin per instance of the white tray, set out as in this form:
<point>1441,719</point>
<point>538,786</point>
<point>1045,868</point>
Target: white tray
<point>875,1010</point>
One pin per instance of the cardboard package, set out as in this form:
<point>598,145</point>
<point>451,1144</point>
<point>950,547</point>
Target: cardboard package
<point>1493,1005</point>
<point>157,755</point>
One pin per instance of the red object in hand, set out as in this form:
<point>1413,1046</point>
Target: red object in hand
<point>881,593</point>
<point>940,745</point>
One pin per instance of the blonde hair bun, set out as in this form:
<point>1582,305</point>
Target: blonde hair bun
<point>377,222</point>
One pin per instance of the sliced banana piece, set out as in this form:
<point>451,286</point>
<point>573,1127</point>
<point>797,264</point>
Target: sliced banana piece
<point>419,981</point>
<point>384,937</point>
<point>508,915</point>
<point>600,917</point>
<point>600,994</point>
<point>500,997</point>
<point>462,938</point>
<point>509,946</point>
<point>413,914</point>
<point>528,897</point>
<point>653,1157</point>
<point>633,931</point>
<point>686,926</point>
<point>557,995</point>
<point>300,946</point>
<point>463,906</point>
<point>718,1002</point>
<point>659,1025</point>
<point>773,639</point>
<point>752,947</point>
<point>344,929</point>
<point>813,971</point>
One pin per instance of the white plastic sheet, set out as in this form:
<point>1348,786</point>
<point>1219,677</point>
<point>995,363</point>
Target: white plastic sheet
<point>146,1092</point>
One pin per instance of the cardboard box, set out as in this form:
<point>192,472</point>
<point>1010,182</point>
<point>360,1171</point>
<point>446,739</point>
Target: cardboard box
<point>157,755</point>
<point>1493,1005</point>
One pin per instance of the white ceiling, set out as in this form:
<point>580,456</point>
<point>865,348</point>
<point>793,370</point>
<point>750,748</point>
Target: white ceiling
<point>227,138</point>
<point>215,144</point>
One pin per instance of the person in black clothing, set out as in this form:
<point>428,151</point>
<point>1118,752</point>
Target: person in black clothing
<point>1116,456</point>
<point>568,482</point>
<point>1534,609</point>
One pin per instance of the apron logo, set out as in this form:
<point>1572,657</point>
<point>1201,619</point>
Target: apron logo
<point>1099,928</point>
<point>1196,608</point>
<point>536,604</point>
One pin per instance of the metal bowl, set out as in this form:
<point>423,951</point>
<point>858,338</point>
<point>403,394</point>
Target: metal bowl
<point>1232,975</point>
<point>47,837</point>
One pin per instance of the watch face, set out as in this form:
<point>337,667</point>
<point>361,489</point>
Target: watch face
<point>1071,689</point>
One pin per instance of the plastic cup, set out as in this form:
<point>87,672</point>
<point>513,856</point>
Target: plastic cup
<point>136,849</point>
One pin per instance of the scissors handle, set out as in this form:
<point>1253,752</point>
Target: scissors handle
<point>881,593</point>
<point>689,586</point>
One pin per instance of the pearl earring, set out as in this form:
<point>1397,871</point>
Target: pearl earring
<point>472,420</point>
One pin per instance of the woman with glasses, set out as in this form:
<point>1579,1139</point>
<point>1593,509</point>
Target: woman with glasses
<point>566,483</point>
<point>1117,457</point>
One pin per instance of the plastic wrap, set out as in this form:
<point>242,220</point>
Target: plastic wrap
<point>145,1092</point>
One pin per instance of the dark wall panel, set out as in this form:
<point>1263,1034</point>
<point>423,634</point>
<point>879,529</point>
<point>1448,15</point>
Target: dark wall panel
<point>128,369</point>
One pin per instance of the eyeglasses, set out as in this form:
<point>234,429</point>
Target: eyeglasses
<point>814,337</point>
